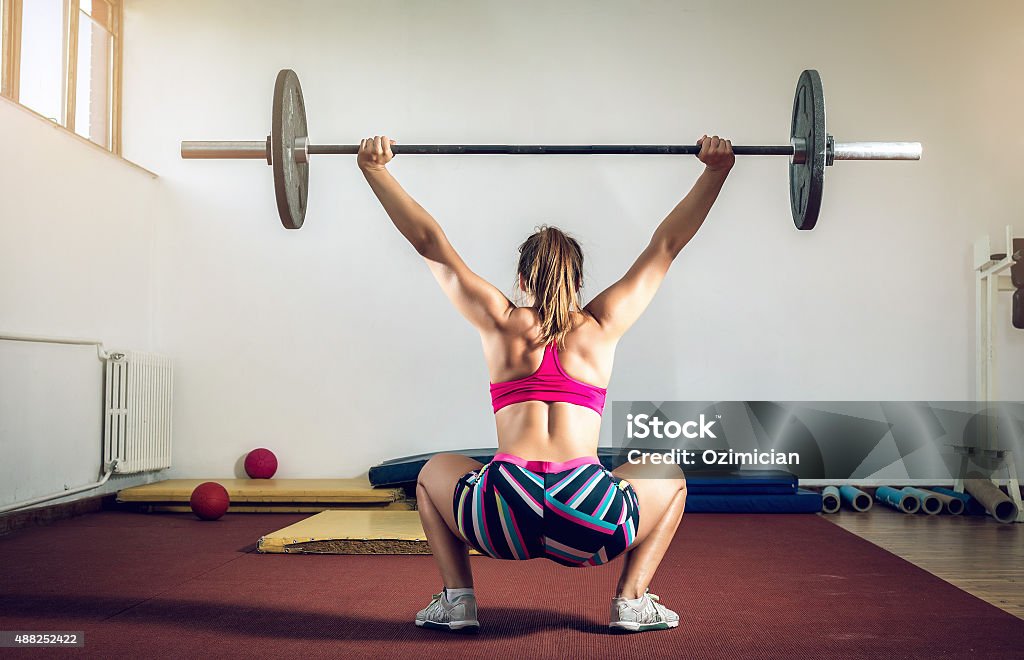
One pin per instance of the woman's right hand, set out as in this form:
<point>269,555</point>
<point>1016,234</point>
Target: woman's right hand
<point>374,153</point>
<point>716,153</point>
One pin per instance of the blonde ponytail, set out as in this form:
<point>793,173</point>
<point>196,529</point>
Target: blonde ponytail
<point>551,267</point>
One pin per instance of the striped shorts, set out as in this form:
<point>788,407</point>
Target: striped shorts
<point>575,513</point>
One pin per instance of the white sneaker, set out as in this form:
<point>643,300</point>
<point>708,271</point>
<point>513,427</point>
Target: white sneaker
<point>646,613</point>
<point>457,615</point>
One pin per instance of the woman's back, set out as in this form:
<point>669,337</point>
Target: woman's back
<point>544,430</point>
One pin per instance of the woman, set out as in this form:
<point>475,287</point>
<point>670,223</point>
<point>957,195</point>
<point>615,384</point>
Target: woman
<point>545,493</point>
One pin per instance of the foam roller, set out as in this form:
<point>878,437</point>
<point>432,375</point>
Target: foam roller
<point>954,505</point>
<point>855,498</point>
<point>995,501</point>
<point>972,507</point>
<point>930,504</point>
<point>830,499</point>
<point>897,499</point>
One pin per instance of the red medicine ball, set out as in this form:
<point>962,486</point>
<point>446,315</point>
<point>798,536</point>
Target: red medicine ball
<point>209,500</point>
<point>260,464</point>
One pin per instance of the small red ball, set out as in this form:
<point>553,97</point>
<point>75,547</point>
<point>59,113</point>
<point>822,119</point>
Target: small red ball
<point>209,500</point>
<point>260,464</point>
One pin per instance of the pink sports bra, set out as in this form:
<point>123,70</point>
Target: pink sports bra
<point>548,383</point>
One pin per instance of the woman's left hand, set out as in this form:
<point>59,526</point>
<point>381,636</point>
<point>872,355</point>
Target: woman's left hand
<point>375,153</point>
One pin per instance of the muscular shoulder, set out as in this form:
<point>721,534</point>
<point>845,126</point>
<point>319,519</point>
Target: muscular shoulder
<point>523,320</point>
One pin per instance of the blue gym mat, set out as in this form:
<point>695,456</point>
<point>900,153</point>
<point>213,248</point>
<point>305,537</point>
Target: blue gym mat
<point>710,483</point>
<point>745,482</point>
<point>802,501</point>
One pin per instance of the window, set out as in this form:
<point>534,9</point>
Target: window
<point>62,59</point>
<point>41,81</point>
<point>94,71</point>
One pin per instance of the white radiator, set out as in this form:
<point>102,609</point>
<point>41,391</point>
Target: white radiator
<point>137,426</point>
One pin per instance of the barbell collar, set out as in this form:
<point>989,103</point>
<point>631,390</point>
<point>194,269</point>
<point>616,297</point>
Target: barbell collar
<point>799,156</point>
<point>301,150</point>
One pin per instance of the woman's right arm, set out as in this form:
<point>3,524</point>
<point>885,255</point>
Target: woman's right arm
<point>619,306</point>
<point>480,302</point>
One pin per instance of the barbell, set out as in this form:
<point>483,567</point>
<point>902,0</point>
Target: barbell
<point>811,149</point>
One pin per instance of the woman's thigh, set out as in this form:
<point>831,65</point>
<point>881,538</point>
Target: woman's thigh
<point>655,488</point>
<point>438,478</point>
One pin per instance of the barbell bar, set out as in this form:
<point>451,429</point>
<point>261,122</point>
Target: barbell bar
<point>288,149</point>
<point>257,149</point>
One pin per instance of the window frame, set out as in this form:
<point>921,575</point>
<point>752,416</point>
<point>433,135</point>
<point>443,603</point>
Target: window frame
<point>10,63</point>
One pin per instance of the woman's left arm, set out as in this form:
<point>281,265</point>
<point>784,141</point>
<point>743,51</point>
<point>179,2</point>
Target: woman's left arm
<point>480,302</point>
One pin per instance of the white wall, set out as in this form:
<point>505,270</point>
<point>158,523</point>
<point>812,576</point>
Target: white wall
<point>332,344</point>
<point>76,260</point>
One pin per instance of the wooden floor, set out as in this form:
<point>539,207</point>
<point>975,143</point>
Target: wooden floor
<point>975,553</point>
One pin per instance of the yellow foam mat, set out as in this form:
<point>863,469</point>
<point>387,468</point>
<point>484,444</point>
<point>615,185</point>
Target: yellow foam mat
<point>351,533</point>
<point>319,491</point>
<point>159,507</point>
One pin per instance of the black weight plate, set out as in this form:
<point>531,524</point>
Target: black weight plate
<point>288,121</point>
<point>807,179</point>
